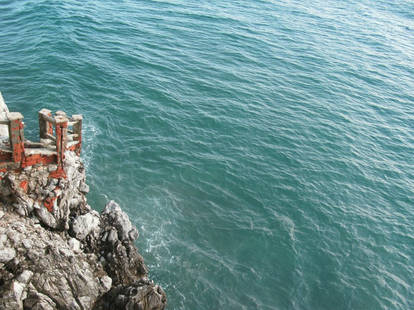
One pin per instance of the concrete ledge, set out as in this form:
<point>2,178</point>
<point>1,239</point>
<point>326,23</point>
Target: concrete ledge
<point>4,131</point>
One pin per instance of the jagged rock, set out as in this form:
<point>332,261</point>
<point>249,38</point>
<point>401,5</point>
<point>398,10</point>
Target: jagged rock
<point>42,265</point>
<point>3,239</point>
<point>113,215</point>
<point>86,224</point>
<point>71,279</point>
<point>46,217</point>
<point>74,245</point>
<point>123,264</point>
<point>7,254</point>
<point>142,294</point>
<point>84,188</point>
<point>17,291</point>
<point>25,276</point>
<point>13,297</point>
<point>106,282</point>
<point>38,301</point>
<point>54,272</point>
<point>112,236</point>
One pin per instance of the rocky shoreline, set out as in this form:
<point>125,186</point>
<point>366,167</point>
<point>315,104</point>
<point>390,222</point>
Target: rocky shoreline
<point>56,252</point>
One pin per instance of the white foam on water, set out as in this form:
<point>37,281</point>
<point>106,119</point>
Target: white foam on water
<point>90,131</point>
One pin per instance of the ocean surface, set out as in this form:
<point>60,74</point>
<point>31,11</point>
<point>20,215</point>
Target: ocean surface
<point>264,149</point>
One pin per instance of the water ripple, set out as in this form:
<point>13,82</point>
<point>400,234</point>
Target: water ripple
<point>264,148</point>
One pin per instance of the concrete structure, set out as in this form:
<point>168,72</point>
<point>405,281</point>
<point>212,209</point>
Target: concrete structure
<point>58,133</point>
<point>3,116</point>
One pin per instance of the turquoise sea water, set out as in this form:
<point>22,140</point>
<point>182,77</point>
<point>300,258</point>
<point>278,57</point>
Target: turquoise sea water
<point>264,149</point>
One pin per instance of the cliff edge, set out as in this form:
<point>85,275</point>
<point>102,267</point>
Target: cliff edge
<point>56,252</point>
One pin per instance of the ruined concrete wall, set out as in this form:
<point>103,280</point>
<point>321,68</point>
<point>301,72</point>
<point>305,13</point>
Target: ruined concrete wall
<point>31,191</point>
<point>4,131</point>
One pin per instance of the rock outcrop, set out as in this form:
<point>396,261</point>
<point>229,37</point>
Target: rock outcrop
<point>56,252</point>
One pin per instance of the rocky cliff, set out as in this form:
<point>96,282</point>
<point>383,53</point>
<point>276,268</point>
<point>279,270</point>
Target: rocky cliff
<point>56,252</point>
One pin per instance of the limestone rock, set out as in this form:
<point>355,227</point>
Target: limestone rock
<point>46,217</point>
<point>142,294</point>
<point>7,254</point>
<point>84,188</point>
<point>49,269</point>
<point>25,276</point>
<point>113,215</point>
<point>74,245</point>
<point>58,253</point>
<point>38,301</point>
<point>106,282</point>
<point>85,224</point>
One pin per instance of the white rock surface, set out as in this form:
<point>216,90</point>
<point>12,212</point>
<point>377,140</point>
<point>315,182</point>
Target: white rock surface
<point>85,224</point>
<point>7,254</point>
<point>74,245</point>
<point>120,221</point>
